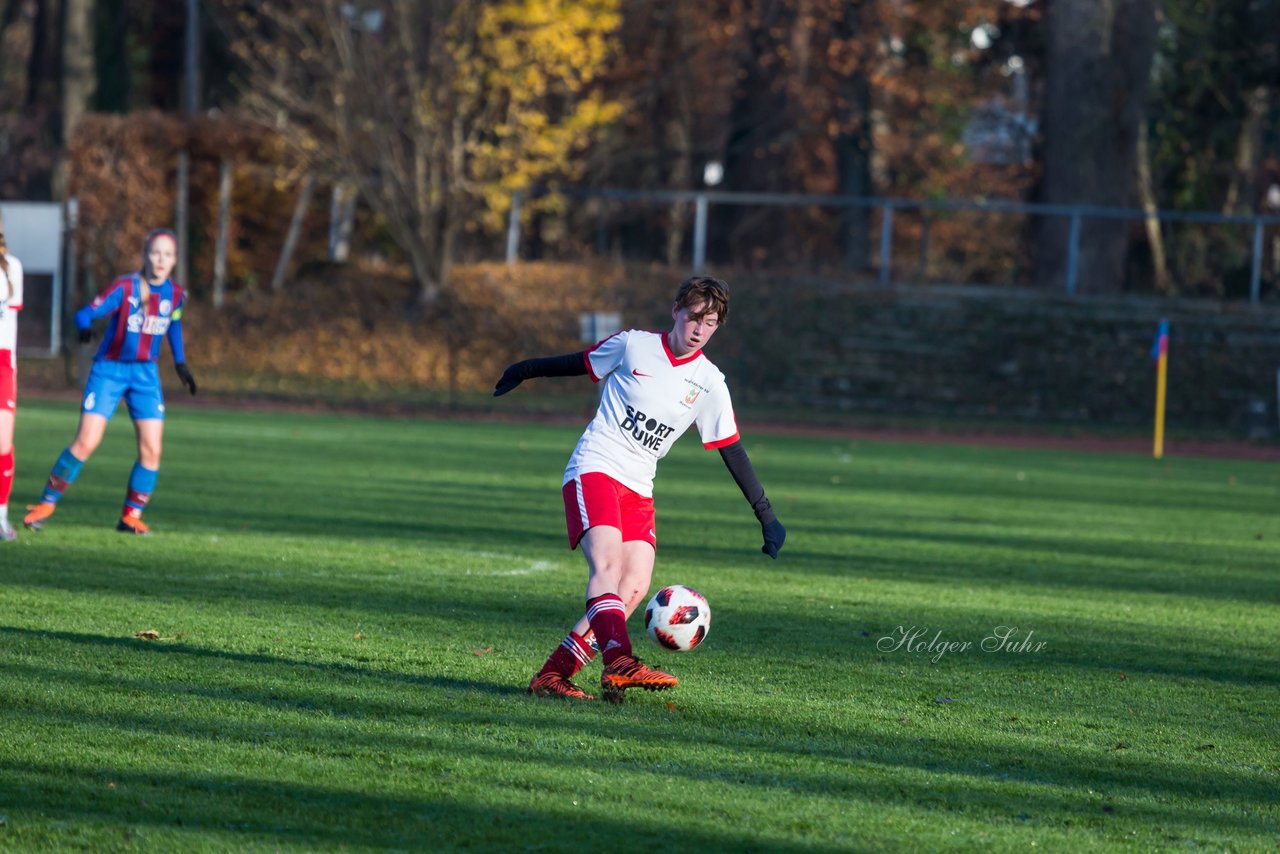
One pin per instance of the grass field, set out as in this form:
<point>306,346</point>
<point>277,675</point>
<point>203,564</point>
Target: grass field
<point>349,610</point>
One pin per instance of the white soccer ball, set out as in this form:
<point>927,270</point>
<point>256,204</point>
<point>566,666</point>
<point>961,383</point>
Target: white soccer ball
<point>677,618</point>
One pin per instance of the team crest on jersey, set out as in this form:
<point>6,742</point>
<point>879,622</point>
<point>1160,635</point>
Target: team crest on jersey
<point>165,306</point>
<point>694,392</point>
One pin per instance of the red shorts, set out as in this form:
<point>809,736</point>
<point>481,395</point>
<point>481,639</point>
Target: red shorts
<point>8,382</point>
<point>597,499</point>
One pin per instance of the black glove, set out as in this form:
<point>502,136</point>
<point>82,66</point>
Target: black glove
<point>511,377</point>
<point>190,381</point>
<point>85,335</point>
<point>774,536</point>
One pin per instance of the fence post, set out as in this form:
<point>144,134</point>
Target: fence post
<point>700,233</point>
<point>1255,268</point>
<point>70,222</point>
<point>1073,252</point>
<point>923,272</point>
<point>886,243</point>
<point>513,227</point>
<point>342,217</point>
<point>224,225</point>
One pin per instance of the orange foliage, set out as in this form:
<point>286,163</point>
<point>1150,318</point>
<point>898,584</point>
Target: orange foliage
<point>123,170</point>
<point>345,325</point>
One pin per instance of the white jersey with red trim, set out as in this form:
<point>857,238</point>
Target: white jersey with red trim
<point>650,397</point>
<point>10,305</point>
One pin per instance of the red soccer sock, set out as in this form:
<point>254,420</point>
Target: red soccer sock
<point>608,620</point>
<point>570,656</point>
<point>6,477</point>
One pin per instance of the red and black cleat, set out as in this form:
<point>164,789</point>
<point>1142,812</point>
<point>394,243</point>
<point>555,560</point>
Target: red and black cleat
<point>629,672</point>
<point>555,685</point>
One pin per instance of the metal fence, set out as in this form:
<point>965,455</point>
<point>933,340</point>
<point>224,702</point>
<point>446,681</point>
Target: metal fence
<point>1245,239</point>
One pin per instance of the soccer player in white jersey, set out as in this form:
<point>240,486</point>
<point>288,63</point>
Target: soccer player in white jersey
<point>10,305</point>
<point>656,386</point>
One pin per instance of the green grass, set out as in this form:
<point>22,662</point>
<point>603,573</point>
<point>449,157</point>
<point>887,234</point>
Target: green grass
<point>350,609</point>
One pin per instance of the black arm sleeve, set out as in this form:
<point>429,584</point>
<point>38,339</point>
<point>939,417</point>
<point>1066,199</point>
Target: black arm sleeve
<point>568,365</point>
<point>739,465</point>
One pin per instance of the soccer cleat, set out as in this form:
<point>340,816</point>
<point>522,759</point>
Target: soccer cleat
<point>7,534</point>
<point>555,685</point>
<point>132,525</point>
<point>628,672</point>
<point>38,513</point>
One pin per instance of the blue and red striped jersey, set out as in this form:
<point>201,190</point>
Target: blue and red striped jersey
<point>133,334</point>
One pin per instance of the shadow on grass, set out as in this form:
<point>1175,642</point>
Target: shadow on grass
<point>1105,644</point>
<point>998,777</point>
<point>253,812</point>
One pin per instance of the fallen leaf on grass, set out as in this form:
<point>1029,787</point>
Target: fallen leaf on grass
<point>1123,677</point>
<point>358,636</point>
<point>481,651</point>
<point>148,634</point>
<point>671,707</point>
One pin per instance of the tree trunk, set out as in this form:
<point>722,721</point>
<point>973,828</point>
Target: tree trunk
<point>44,64</point>
<point>114,87</point>
<point>1098,67</point>
<point>678,138</point>
<point>853,147</point>
<point>1242,192</point>
<point>77,78</point>
<point>758,117</point>
<point>1155,238</point>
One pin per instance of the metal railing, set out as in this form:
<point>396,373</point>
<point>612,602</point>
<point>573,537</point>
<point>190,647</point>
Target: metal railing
<point>701,200</point>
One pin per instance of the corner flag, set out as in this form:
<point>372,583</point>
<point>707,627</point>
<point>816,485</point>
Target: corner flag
<point>1160,355</point>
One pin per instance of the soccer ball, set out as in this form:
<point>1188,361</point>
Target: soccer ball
<point>677,618</point>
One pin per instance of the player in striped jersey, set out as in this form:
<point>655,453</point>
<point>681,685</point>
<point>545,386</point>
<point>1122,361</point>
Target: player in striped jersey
<point>141,309</point>
<point>656,386</point>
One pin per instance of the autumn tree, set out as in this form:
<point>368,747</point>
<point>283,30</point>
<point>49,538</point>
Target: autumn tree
<point>1099,66</point>
<point>438,111</point>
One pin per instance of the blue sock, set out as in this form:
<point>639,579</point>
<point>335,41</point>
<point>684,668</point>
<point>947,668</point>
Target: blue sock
<point>142,482</point>
<point>64,473</point>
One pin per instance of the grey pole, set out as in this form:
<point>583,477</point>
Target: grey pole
<point>513,227</point>
<point>1073,252</point>
<point>224,226</point>
<point>1255,268</point>
<point>700,233</point>
<point>886,244</point>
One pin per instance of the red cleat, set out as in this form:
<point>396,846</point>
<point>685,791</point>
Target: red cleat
<point>555,685</point>
<point>629,672</point>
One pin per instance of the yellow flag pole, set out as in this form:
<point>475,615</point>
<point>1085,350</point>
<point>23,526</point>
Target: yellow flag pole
<point>1162,372</point>
<point>1161,351</point>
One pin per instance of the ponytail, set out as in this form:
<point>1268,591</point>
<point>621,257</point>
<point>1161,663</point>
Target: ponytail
<point>4,265</point>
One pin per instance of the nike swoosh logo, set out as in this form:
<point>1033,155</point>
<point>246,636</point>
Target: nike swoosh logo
<point>638,374</point>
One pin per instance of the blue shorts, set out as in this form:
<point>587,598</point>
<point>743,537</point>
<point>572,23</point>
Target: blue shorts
<point>137,382</point>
